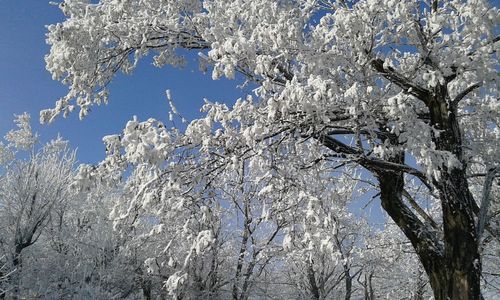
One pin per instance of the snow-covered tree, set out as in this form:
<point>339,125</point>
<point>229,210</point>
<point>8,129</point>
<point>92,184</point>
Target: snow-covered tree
<point>391,267</point>
<point>374,83</point>
<point>83,255</point>
<point>323,242</point>
<point>34,185</point>
<point>212,220</point>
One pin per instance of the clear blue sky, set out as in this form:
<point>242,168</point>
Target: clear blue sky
<point>25,85</point>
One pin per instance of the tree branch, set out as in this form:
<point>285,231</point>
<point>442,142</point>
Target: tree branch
<point>370,163</point>
<point>464,93</point>
<point>393,76</point>
<point>485,202</point>
<point>419,210</point>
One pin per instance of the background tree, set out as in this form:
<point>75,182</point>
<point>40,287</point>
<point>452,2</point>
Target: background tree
<point>33,189</point>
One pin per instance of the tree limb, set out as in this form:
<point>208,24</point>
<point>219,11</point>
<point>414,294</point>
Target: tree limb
<point>419,210</point>
<point>393,76</point>
<point>464,93</point>
<point>485,202</point>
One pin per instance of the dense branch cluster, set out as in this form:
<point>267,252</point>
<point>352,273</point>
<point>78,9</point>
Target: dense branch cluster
<point>397,99</point>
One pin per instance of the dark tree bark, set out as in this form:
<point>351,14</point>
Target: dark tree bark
<point>458,277</point>
<point>16,265</point>
<point>348,283</point>
<point>369,294</point>
<point>313,287</point>
<point>454,270</point>
<point>244,239</point>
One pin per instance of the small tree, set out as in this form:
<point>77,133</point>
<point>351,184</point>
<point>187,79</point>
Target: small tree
<point>33,185</point>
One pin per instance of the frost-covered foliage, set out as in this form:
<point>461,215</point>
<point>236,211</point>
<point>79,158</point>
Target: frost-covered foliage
<point>56,239</point>
<point>407,90</point>
<point>324,245</point>
<point>34,184</point>
<point>315,61</point>
<point>392,270</point>
<point>322,67</point>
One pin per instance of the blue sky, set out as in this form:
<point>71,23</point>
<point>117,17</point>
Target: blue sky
<point>25,85</point>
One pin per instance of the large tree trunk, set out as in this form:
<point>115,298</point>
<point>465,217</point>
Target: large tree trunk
<point>454,270</point>
<point>453,264</point>
<point>459,275</point>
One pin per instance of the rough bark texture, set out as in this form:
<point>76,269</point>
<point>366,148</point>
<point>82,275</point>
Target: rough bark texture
<point>459,275</point>
<point>454,269</point>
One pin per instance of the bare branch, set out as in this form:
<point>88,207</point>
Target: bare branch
<point>464,93</point>
<point>419,210</point>
<point>485,203</point>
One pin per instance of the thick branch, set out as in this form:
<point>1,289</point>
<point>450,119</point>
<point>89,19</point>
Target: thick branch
<point>419,210</point>
<point>391,179</point>
<point>424,241</point>
<point>337,146</point>
<point>370,163</point>
<point>464,93</point>
<point>393,76</point>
